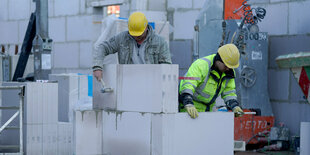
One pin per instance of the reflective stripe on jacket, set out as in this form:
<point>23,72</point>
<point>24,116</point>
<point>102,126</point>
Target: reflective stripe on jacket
<point>156,49</point>
<point>207,81</point>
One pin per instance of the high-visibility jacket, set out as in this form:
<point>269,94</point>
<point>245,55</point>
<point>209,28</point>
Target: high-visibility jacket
<point>206,84</point>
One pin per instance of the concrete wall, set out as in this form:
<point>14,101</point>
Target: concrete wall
<point>287,23</point>
<point>70,27</point>
<point>74,30</point>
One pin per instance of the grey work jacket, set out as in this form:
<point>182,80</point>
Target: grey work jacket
<point>156,49</point>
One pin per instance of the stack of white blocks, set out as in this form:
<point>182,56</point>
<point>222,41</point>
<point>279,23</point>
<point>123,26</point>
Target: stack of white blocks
<point>140,88</point>
<point>135,133</point>
<point>75,90</point>
<point>141,117</point>
<point>88,132</point>
<point>44,134</point>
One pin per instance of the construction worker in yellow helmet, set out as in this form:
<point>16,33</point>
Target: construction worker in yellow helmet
<point>138,45</point>
<point>211,76</point>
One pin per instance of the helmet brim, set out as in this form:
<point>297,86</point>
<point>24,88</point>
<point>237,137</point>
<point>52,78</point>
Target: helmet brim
<point>135,33</point>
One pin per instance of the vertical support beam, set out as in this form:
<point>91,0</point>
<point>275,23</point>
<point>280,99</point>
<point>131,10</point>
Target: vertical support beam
<point>42,44</point>
<point>21,107</point>
<point>42,18</point>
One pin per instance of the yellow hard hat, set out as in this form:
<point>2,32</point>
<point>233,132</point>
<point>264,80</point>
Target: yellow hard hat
<point>137,23</point>
<point>230,55</point>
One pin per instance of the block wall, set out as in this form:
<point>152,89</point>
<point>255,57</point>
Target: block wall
<point>287,23</point>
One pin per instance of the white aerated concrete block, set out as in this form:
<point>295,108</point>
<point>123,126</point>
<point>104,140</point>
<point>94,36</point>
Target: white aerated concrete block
<point>179,4</point>
<point>9,32</point>
<point>276,20</point>
<point>3,10</point>
<point>61,54</point>
<point>184,24</point>
<point>22,28</point>
<point>34,139</point>
<point>304,138</point>
<point>88,132</point>
<point>86,54</point>
<point>73,90</point>
<point>79,28</point>
<point>198,4</point>
<point>50,139</point>
<point>83,86</point>
<point>34,106</point>
<point>297,17</point>
<point>68,7</point>
<point>134,133</point>
<point>19,9</point>
<point>41,103</point>
<point>57,29</point>
<point>127,133</point>
<point>139,5</point>
<point>158,5</point>
<point>178,134</point>
<point>65,133</point>
<point>162,29</point>
<point>141,88</point>
<point>153,16</point>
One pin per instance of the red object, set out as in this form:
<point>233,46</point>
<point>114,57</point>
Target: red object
<point>249,128</point>
<point>230,6</point>
<point>188,78</point>
<point>304,82</point>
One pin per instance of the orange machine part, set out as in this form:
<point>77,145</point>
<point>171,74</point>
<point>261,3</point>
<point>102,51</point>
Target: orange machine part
<point>247,127</point>
<point>230,6</point>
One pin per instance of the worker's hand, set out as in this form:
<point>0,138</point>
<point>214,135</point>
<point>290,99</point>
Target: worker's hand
<point>187,101</point>
<point>191,110</point>
<point>238,111</point>
<point>98,74</point>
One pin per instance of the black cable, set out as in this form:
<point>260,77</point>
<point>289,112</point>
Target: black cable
<point>250,18</point>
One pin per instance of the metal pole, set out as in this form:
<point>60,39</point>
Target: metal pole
<point>42,18</point>
<point>11,87</point>
<point>21,105</point>
<point>42,44</point>
<point>9,121</point>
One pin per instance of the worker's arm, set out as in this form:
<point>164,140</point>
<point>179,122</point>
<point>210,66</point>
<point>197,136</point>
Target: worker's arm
<point>103,49</point>
<point>197,72</point>
<point>164,53</point>
<point>229,91</point>
<point>230,97</point>
<point>187,101</point>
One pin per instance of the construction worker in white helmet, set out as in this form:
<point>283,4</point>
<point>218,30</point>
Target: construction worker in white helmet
<point>211,76</point>
<point>138,45</point>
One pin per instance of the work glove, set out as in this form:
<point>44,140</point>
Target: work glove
<point>191,110</point>
<point>189,106</point>
<point>238,111</point>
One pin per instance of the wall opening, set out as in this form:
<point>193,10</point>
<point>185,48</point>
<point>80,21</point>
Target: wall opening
<point>113,9</point>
